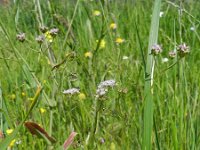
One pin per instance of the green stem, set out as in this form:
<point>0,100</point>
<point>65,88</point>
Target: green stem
<point>148,88</point>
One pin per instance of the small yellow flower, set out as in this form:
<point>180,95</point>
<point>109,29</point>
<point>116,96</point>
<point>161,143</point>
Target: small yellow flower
<point>13,96</point>
<point>119,40</point>
<point>42,110</point>
<point>48,62</point>
<point>113,26</point>
<point>23,94</point>
<point>44,81</point>
<point>102,43</point>
<point>12,143</point>
<point>82,96</point>
<point>9,131</point>
<point>48,37</point>
<point>88,54</point>
<point>112,146</point>
<point>96,13</point>
<point>30,99</point>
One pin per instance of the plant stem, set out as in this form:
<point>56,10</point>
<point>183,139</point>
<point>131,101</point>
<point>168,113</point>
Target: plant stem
<point>148,88</point>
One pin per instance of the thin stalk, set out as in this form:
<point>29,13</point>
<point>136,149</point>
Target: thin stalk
<point>140,44</point>
<point>175,72</point>
<point>70,25</point>
<point>38,9</point>
<point>97,106</point>
<point>181,82</point>
<point>156,133</point>
<point>1,107</point>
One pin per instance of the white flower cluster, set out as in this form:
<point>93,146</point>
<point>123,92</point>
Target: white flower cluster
<point>71,91</point>
<point>103,87</point>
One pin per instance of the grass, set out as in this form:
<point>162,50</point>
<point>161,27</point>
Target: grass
<point>134,114</point>
<point>149,75</point>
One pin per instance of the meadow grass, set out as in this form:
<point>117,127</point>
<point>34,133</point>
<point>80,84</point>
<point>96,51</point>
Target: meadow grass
<point>132,113</point>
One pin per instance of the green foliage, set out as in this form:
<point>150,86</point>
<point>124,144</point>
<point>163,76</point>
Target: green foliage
<point>116,119</point>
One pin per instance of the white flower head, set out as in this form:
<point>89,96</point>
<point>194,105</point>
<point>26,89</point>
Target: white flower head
<point>102,88</point>
<point>125,57</point>
<point>71,91</point>
<point>164,60</point>
<point>161,14</point>
<point>192,28</point>
<point>101,91</point>
<point>107,83</point>
<point>18,142</point>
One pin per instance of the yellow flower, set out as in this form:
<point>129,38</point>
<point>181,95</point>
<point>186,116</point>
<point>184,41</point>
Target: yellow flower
<point>9,131</point>
<point>30,99</point>
<point>112,146</point>
<point>48,62</point>
<point>82,96</point>
<point>119,40</point>
<point>113,26</point>
<point>23,94</point>
<point>13,96</point>
<point>42,110</point>
<point>88,54</point>
<point>102,43</point>
<point>44,81</point>
<point>48,37</point>
<point>12,143</point>
<point>96,13</point>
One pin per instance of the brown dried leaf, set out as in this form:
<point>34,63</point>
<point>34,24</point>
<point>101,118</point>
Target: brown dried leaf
<point>69,141</point>
<point>35,129</point>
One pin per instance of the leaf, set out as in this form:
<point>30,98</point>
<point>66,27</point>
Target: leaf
<point>35,129</point>
<point>31,83</point>
<point>148,88</point>
<point>69,141</point>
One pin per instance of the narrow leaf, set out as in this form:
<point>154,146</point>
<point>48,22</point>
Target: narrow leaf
<point>69,141</point>
<point>148,88</point>
<point>35,129</point>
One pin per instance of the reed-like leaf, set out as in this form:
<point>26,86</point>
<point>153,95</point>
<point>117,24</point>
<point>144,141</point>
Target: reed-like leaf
<point>148,90</point>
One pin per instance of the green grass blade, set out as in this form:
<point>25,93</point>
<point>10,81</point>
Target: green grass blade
<point>148,108</point>
<point>5,143</point>
<point>140,44</point>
